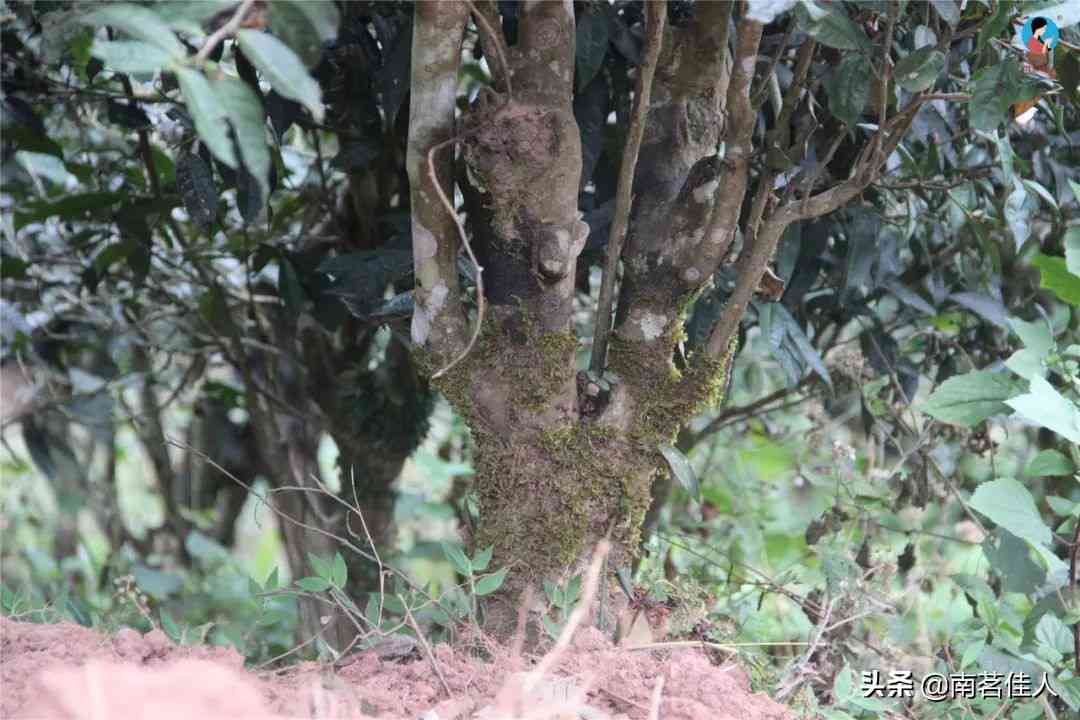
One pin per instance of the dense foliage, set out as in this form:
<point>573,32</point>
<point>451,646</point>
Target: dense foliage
<point>210,309</point>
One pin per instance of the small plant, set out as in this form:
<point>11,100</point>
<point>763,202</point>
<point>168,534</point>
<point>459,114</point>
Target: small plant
<point>479,582</point>
<point>562,599</point>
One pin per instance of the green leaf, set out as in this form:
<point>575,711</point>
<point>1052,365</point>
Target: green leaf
<point>320,566</point>
<point>169,625</point>
<point>1011,506</point>
<point>1072,250</point>
<point>591,45</point>
<point>1019,208</point>
<point>949,11</point>
<point>245,111</point>
<point>971,653</point>
<point>849,88</point>
<point>682,470</point>
<point>131,56</point>
<point>1049,463</point>
<point>920,69</point>
<point>1067,64</point>
<point>189,17</point>
<point>994,89</point>
<point>77,611</point>
<point>1055,276</point>
<point>304,25</point>
<point>1055,634</point>
<point>157,583</point>
<point>313,584</point>
<point>1038,341</point>
<point>1046,407</point>
<point>997,23</point>
<point>339,573</point>
<point>284,70</point>
<point>1064,507</point>
<point>481,559</point>
<point>553,592</point>
<point>553,628</point>
<point>458,558</point>
<point>971,398</point>
<point>70,207</point>
<point>831,26</point>
<point>573,590</point>
<point>195,181</point>
<point>491,582</point>
<point>207,113</point>
<point>844,686</point>
<point>272,582</point>
<point>289,287</point>
<point>139,22</point>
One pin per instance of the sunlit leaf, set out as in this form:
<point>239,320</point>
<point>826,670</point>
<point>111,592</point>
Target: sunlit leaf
<point>207,113</point>
<point>285,71</point>
<point>1046,407</point>
<point>131,56</point>
<point>971,398</point>
<point>1055,276</point>
<point>1011,506</point>
<point>245,112</point>
<point>139,22</point>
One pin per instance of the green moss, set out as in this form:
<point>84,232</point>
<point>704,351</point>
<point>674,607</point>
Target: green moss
<point>547,500</point>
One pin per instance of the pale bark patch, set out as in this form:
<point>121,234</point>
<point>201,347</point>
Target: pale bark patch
<point>426,311</point>
<point>652,325</point>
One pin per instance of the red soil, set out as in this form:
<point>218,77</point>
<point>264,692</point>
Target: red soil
<point>68,671</point>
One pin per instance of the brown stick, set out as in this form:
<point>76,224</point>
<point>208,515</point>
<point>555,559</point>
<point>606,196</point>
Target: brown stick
<point>427,647</point>
<point>656,13</point>
<point>480,303</point>
<point>497,41</point>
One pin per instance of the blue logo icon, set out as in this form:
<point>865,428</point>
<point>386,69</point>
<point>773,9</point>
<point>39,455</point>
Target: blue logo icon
<point>1040,35</point>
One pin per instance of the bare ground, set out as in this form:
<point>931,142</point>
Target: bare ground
<point>68,671</point>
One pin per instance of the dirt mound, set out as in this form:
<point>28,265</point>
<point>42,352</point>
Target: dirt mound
<point>67,671</point>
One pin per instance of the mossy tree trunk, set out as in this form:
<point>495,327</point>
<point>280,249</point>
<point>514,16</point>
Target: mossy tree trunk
<point>561,463</point>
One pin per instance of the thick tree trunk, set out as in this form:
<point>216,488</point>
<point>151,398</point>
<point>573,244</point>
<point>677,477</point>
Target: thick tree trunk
<point>556,472</point>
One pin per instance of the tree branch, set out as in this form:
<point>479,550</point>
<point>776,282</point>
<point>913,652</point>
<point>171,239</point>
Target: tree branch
<point>438,321</point>
<point>229,28</point>
<point>720,232</point>
<point>656,14</point>
<point>486,16</point>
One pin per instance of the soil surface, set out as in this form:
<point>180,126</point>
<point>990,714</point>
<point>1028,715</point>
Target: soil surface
<point>68,671</point>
